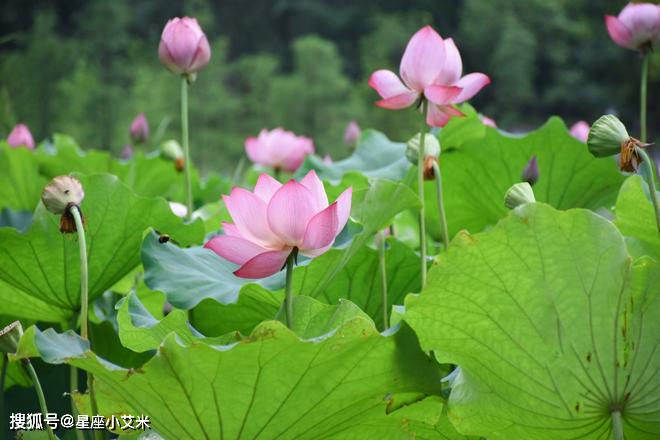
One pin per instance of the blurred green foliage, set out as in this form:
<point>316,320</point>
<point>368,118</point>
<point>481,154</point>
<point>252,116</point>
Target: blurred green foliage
<point>87,67</point>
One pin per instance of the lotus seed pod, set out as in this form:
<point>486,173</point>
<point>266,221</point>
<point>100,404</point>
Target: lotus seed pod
<point>61,193</point>
<point>519,194</point>
<point>9,337</point>
<point>606,136</point>
<point>431,147</point>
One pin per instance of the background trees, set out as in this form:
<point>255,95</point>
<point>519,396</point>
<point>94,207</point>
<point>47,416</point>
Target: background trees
<point>87,67</point>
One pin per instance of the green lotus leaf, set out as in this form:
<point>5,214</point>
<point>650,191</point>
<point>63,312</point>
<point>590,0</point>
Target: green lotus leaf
<point>554,327</point>
<point>635,218</point>
<point>20,182</point>
<point>43,264</point>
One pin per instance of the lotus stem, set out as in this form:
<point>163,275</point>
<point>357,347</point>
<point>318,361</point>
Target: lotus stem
<point>441,205</point>
<point>617,425</point>
<point>288,295</point>
<point>383,277</point>
<point>642,101</point>
<point>84,301</point>
<point>186,146</point>
<point>40,392</point>
<point>3,376</point>
<point>420,192</point>
<point>651,181</point>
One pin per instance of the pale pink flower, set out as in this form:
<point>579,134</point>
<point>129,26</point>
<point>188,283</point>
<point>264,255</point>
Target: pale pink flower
<point>580,131</point>
<point>278,149</point>
<point>352,133</point>
<point>20,136</point>
<point>183,47</point>
<point>139,129</point>
<point>431,68</point>
<point>637,27</point>
<point>178,209</point>
<point>274,219</point>
<point>327,159</point>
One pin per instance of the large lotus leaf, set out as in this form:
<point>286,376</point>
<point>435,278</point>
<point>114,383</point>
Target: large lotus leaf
<point>355,383</point>
<point>460,130</point>
<point>359,280</point>
<point>255,304</point>
<point>476,176</point>
<point>44,264</point>
<point>635,218</point>
<point>17,303</point>
<point>552,324</point>
<point>374,156</point>
<point>20,182</point>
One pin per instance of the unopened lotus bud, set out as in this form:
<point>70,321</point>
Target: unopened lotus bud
<point>126,152</point>
<point>530,173</point>
<point>167,308</point>
<point>60,196</point>
<point>139,129</point>
<point>171,150</point>
<point>9,337</point>
<point>519,194</point>
<point>606,136</point>
<point>431,147</point>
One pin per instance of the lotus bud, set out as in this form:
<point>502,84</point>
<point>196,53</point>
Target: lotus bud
<point>184,49</point>
<point>519,194</point>
<point>431,147</point>
<point>530,173</point>
<point>171,150</point>
<point>139,129</point>
<point>606,136</point>
<point>352,133</point>
<point>59,196</point>
<point>126,152</point>
<point>327,159</point>
<point>167,308</point>
<point>20,136</point>
<point>9,337</point>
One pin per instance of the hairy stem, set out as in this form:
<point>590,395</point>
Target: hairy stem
<point>383,277</point>
<point>40,392</point>
<point>642,101</point>
<point>649,165</point>
<point>186,146</point>
<point>288,295</point>
<point>420,192</point>
<point>441,205</point>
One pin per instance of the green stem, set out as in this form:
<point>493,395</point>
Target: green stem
<point>186,146</point>
<point>84,301</point>
<point>73,378</point>
<point>288,295</point>
<point>617,425</point>
<point>642,101</point>
<point>441,205</point>
<point>40,392</point>
<point>651,181</point>
<point>237,178</point>
<point>383,278</point>
<point>420,192</point>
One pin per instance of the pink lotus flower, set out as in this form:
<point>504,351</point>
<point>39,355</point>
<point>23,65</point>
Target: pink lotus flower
<point>139,129</point>
<point>279,149</point>
<point>274,219</point>
<point>20,136</point>
<point>580,131</point>
<point>431,68</point>
<point>637,27</point>
<point>352,133</point>
<point>183,47</point>
<point>488,121</point>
